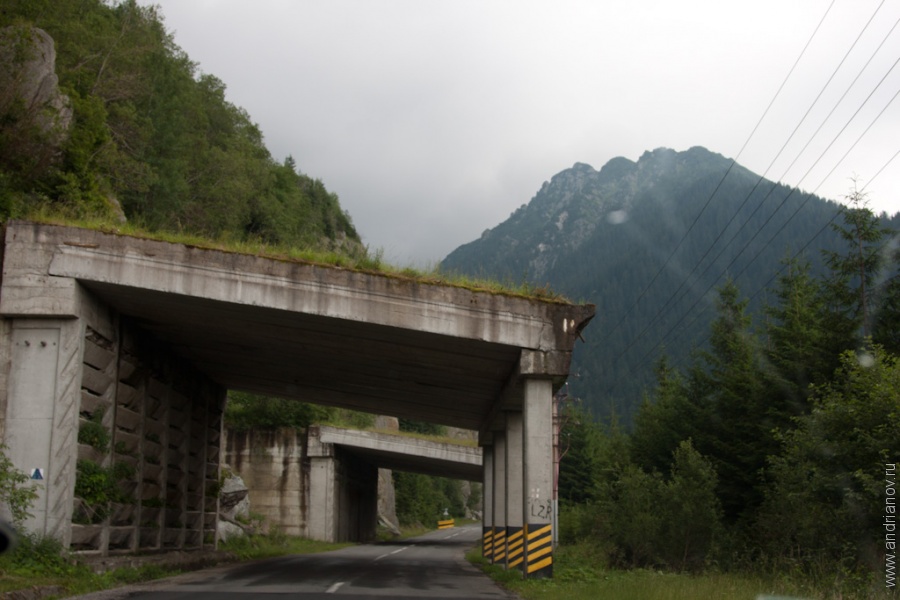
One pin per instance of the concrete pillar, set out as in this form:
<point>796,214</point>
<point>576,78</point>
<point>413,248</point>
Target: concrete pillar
<point>487,519</point>
<point>323,502</point>
<point>514,490</point>
<point>43,358</point>
<point>499,498</point>
<point>538,505</point>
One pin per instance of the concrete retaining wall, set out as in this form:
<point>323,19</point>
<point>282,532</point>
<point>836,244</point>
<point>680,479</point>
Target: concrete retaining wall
<point>330,496</point>
<point>271,465</point>
<point>161,419</point>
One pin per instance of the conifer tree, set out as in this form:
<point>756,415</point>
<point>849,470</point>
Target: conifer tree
<point>854,273</point>
<point>735,431</point>
<point>797,347</point>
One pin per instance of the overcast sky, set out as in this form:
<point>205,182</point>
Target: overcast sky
<point>434,119</point>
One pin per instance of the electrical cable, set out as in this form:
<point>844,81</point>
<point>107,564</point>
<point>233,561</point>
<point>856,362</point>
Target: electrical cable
<point>662,310</point>
<point>730,167</point>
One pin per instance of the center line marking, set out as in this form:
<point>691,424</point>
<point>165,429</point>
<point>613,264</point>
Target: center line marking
<point>335,587</point>
<point>394,552</point>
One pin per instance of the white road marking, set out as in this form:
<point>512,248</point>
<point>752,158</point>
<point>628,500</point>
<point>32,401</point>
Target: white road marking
<point>335,587</point>
<point>394,552</point>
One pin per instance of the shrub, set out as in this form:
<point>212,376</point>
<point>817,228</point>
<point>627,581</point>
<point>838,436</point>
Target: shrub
<point>15,492</point>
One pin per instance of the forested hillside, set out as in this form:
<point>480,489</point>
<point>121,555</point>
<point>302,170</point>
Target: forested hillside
<point>150,138</point>
<point>649,242</point>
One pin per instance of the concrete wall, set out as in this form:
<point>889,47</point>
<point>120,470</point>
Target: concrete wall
<point>323,494</point>
<point>271,465</point>
<point>162,419</point>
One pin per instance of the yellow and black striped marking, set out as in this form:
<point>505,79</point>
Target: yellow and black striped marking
<point>538,551</point>
<point>499,545</point>
<point>515,537</point>
<point>446,524</point>
<point>487,543</point>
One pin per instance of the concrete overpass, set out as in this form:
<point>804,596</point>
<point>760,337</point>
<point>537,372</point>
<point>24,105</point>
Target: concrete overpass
<point>403,453</point>
<point>144,337</point>
<point>328,448</point>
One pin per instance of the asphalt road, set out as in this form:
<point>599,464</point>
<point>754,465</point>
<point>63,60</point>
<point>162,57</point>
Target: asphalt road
<point>430,566</point>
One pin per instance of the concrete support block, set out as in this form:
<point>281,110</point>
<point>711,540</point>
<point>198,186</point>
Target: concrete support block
<point>487,520</point>
<point>499,556</point>
<point>323,499</point>
<point>538,507</point>
<point>41,417</point>
<point>514,490</point>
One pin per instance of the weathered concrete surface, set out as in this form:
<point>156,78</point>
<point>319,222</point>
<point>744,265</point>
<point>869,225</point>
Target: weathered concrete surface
<point>403,453</point>
<point>372,342</point>
<point>271,465</point>
<point>365,341</point>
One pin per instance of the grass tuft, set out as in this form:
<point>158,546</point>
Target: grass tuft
<point>364,261</point>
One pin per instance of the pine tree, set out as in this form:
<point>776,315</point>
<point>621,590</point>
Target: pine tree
<point>854,274</point>
<point>736,431</point>
<point>797,346</point>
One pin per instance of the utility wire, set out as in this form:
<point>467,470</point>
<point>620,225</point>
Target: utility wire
<point>722,180</point>
<point>641,361</point>
<point>790,193</point>
<point>685,281</point>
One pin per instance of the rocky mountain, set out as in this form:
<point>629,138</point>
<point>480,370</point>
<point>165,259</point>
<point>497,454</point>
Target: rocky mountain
<point>649,242</point>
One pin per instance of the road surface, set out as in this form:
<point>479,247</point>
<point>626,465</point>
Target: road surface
<point>430,566</point>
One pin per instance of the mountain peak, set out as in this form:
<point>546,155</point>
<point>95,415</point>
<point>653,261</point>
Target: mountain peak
<point>607,236</point>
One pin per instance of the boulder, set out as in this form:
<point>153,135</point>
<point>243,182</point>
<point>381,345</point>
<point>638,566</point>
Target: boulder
<point>234,503</point>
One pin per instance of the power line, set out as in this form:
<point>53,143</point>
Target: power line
<point>681,319</point>
<point>730,167</point>
<point>641,361</point>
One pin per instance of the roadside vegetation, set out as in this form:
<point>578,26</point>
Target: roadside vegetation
<point>579,576</point>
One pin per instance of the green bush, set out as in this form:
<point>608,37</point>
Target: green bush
<point>38,555</point>
<point>98,487</point>
<point>15,492</point>
<point>93,433</point>
<point>251,411</point>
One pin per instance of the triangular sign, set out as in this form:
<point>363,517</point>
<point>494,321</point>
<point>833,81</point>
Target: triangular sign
<point>37,474</point>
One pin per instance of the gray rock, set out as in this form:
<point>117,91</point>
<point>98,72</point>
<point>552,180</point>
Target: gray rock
<point>234,502</point>
<point>28,73</point>
<point>227,530</point>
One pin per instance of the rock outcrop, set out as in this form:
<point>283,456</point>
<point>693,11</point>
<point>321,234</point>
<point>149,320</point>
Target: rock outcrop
<point>29,85</point>
<point>234,506</point>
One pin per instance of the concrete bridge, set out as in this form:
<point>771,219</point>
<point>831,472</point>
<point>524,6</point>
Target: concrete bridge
<point>140,339</point>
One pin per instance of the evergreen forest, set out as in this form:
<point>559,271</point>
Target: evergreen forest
<point>773,451</point>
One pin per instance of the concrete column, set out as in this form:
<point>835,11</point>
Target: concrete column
<point>487,503</point>
<point>44,358</point>
<point>499,498</point>
<point>323,502</point>
<point>538,505</point>
<point>514,490</point>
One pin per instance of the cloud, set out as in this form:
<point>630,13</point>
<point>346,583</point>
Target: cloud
<point>434,120</point>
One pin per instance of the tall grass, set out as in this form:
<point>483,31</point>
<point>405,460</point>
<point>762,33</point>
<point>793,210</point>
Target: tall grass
<point>364,261</point>
<point>578,575</point>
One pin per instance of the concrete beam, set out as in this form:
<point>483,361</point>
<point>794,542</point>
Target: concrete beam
<point>400,453</point>
<point>37,251</point>
<point>372,342</point>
